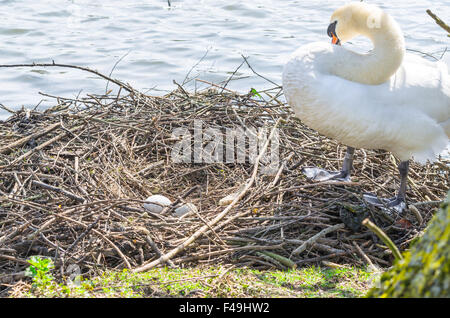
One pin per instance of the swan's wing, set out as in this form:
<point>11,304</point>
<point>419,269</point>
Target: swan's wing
<point>419,85</point>
<point>403,115</point>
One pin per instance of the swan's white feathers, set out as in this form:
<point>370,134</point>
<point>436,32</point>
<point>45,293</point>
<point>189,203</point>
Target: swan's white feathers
<point>408,115</point>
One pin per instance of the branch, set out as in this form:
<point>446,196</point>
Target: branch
<point>384,238</point>
<point>206,227</point>
<point>117,82</point>
<point>441,23</point>
<point>59,190</point>
<point>8,148</point>
<point>314,238</point>
<point>41,146</point>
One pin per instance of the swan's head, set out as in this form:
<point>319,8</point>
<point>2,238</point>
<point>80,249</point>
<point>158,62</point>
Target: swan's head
<point>357,18</point>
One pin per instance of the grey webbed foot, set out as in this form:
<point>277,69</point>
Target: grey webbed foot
<point>317,174</point>
<point>395,204</point>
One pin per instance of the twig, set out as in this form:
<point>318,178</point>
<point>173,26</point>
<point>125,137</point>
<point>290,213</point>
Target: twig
<point>186,78</point>
<point>86,232</point>
<point>14,259</point>
<point>117,82</point>
<point>384,238</point>
<point>364,256</point>
<point>8,148</point>
<point>283,260</point>
<point>41,146</point>
<point>127,264</point>
<point>219,217</point>
<point>56,189</point>
<point>416,213</point>
<point>112,70</point>
<point>7,109</point>
<point>256,73</point>
<point>441,23</point>
<point>231,76</point>
<point>313,239</point>
<point>152,244</point>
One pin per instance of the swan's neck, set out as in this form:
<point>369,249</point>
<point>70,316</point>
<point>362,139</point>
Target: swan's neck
<point>377,66</point>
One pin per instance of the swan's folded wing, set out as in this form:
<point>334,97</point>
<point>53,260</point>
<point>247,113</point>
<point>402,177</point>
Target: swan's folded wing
<point>402,116</point>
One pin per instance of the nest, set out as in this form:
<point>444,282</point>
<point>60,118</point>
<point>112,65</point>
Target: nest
<point>73,179</point>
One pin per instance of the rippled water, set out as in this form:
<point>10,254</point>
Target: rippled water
<point>157,44</point>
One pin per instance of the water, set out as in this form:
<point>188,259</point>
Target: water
<point>157,44</point>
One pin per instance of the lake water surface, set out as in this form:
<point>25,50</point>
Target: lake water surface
<point>156,44</point>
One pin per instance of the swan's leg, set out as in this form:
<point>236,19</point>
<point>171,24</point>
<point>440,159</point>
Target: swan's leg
<point>317,174</point>
<point>397,203</point>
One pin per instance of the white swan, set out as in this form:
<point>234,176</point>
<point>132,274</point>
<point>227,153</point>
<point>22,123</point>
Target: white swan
<point>384,99</point>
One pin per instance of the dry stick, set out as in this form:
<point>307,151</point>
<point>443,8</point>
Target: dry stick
<point>280,170</point>
<point>102,236</point>
<point>153,165</point>
<point>383,237</point>
<point>68,211</point>
<point>229,79</point>
<point>86,232</point>
<point>215,85</point>
<point>107,122</point>
<point>7,109</point>
<point>321,258</point>
<point>416,213</point>
<point>173,205</point>
<point>219,217</point>
<point>118,83</point>
<point>59,190</point>
<point>8,148</point>
<point>28,173</point>
<point>14,259</point>
<point>256,73</point>
<point>231,250</point>
<point>41,146</point>
<point>314,238</point>
<point>441,23</point>
<point>186,80</point>
<point>155,248</point>
<point>283,260</point>
<point>364,255</point>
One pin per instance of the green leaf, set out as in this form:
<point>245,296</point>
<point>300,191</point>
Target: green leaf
<point>255,92</point>
<point>30,271</point>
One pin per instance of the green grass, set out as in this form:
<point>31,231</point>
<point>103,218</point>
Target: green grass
<point>310,282</point>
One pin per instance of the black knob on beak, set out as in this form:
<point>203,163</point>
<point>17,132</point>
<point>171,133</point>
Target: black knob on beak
<point>332,29</point>
<point>332,33</point>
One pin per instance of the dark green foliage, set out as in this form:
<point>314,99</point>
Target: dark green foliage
<point>425,269</point>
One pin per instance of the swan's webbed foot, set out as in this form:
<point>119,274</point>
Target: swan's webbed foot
<point>396,204</point>
<point>317,174</point>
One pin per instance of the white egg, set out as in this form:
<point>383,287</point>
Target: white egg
<point>185,208</point>
<point>159,201</point>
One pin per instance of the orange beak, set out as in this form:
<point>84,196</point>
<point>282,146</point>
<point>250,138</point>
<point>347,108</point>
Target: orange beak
<point>335,40</point>
<point>332,33</point>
